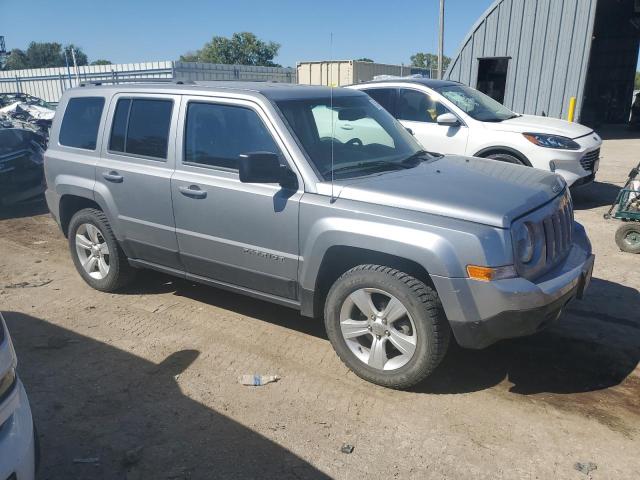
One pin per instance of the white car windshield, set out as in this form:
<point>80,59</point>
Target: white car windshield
<point>360,136</point>
<point>476,104</point>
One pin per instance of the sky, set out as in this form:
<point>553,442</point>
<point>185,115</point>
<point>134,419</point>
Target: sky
<point>150,30</point>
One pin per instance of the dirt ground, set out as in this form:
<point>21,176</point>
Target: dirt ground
<point>143,384</point>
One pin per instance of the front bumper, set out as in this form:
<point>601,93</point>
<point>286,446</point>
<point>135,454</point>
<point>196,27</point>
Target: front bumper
<point>481,313</point>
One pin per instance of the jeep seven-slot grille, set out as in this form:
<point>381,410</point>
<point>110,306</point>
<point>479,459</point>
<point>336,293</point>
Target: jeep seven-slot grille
<point>558,231</point>
<point>588,160</point>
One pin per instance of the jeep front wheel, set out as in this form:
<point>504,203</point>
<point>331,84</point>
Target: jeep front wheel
<point>386,326</point>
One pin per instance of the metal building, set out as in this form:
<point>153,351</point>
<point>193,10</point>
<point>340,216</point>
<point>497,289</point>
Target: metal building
<point>534,55</point>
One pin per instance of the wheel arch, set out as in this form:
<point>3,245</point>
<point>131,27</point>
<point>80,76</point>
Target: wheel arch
<point>339,259</point>
<point>69,205</point>
<point>485,152</point>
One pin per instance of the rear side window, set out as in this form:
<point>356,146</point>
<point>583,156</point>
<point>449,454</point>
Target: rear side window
<point>216,135</point>
<point>141,127</point>
<point>384,96</point>
<point>81,122</point>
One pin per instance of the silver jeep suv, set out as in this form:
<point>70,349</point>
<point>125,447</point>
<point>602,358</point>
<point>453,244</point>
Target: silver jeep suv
<point>319,200</point>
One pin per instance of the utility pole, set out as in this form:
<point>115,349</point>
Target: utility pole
<point>441,42</point>
<point>75,65</point>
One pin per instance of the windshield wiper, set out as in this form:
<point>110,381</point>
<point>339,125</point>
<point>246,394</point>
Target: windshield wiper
<point>418,157</point>
<point>368,166</point>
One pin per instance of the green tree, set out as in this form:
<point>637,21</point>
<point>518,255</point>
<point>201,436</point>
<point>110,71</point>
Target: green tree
<point>242,48</point>
<point>43,55</point>
<point>17,60</point>
<point>81,57</point>
<point>364,59</point>
<point>429,60</point>
<point>637,80</point>
<point>101,62</point>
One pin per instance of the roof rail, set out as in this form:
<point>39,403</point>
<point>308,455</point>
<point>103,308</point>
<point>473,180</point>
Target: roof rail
<point>135,80</point>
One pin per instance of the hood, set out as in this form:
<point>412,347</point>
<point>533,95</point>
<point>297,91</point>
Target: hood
<point>472,189</point>
<point>535,124</point>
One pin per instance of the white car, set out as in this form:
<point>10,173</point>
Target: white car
<point>451,118</point>
<point>17,434</point>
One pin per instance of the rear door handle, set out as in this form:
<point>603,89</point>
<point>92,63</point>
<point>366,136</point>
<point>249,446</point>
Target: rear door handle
<point>113,176</point>
<point>193,191</point>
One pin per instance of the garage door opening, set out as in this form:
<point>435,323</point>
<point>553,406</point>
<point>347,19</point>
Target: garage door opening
<point>613,64</point>
<point>492,76</point>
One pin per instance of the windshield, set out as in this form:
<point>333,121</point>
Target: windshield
<point>363,136</point>
<point>476,104</point>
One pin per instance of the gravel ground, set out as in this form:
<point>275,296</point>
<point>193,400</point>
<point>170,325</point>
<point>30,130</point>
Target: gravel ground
<point>143,384</point>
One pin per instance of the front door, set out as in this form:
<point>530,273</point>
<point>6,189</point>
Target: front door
<point>133,175</point>
<point>235,233</point>
<point>418,111</point>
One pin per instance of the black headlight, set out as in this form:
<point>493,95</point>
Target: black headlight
<point>551,141</point>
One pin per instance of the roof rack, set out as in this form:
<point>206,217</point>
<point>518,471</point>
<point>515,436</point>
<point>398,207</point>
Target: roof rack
<point>136,80</point>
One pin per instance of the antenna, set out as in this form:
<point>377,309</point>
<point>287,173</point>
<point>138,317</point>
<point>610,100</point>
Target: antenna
<point>333,198</point>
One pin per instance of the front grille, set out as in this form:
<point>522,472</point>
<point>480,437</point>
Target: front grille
<point>558,231</point>
<point>589,159</point>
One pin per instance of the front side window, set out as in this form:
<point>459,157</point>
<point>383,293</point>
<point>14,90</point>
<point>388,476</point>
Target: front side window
<point>141,127</point>
<point>216,135</point>
<point>417,106</point>
<point>81,122</point>
<point>358,134</point>
<point>476,104</point>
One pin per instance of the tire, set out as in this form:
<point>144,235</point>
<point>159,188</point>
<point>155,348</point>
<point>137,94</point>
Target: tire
<point>628,237</point>
<point>89,233</point>
<point>506,157</point>
<point>423,327</point>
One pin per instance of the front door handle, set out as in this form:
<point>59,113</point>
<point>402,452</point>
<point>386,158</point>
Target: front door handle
<point>193,191</point>
<point>113,176</point>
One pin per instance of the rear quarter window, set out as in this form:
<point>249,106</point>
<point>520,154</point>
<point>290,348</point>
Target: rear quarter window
<point>81,122</point>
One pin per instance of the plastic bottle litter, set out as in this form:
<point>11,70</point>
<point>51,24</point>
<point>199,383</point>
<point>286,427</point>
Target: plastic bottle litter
<point>257,380</point>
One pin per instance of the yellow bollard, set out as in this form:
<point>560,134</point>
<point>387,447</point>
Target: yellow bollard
<point>572,109</point>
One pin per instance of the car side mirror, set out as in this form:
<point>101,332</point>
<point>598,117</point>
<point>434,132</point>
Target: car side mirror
<point>264,167</point>
<point>448,120</point>
<point>409,130</point>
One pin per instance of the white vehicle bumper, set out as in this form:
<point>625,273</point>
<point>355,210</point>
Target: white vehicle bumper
<point>17,441</point>
<point>578,167</point>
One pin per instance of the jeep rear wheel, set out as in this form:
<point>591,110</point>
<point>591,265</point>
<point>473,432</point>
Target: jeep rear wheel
<point>95,251</point>
<point>386,326</point>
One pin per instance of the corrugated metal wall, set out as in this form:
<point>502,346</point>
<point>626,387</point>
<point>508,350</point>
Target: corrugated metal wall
<point>49,83</point>
<point>549,44</point>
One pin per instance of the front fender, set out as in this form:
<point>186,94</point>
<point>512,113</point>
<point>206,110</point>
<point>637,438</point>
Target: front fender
<point>442,251</point>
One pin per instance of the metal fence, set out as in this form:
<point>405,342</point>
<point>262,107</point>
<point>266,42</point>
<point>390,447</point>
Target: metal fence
<point>50,83</point>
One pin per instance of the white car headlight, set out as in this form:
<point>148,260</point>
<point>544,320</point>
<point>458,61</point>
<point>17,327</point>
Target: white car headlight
<point>551,141</point>
<point>524,238</point>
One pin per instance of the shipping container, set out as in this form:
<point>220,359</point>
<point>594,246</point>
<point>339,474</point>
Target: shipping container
<point>347,72</point>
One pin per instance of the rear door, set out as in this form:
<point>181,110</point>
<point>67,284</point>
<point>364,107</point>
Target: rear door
<point>418,111</point>
<point>231,232</point>
<point>133,176</point>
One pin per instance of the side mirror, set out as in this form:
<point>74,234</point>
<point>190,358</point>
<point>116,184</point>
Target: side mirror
<point>264,167</point>
<point>409,130</point>
<point>448,120</point>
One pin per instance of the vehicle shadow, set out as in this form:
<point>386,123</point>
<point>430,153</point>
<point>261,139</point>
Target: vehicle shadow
<point>30,208</point>
<point>126,417</point>
<point>596,345</point>
<point>597,194</point>
<point>624,131</point>
<point>150,282</point>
